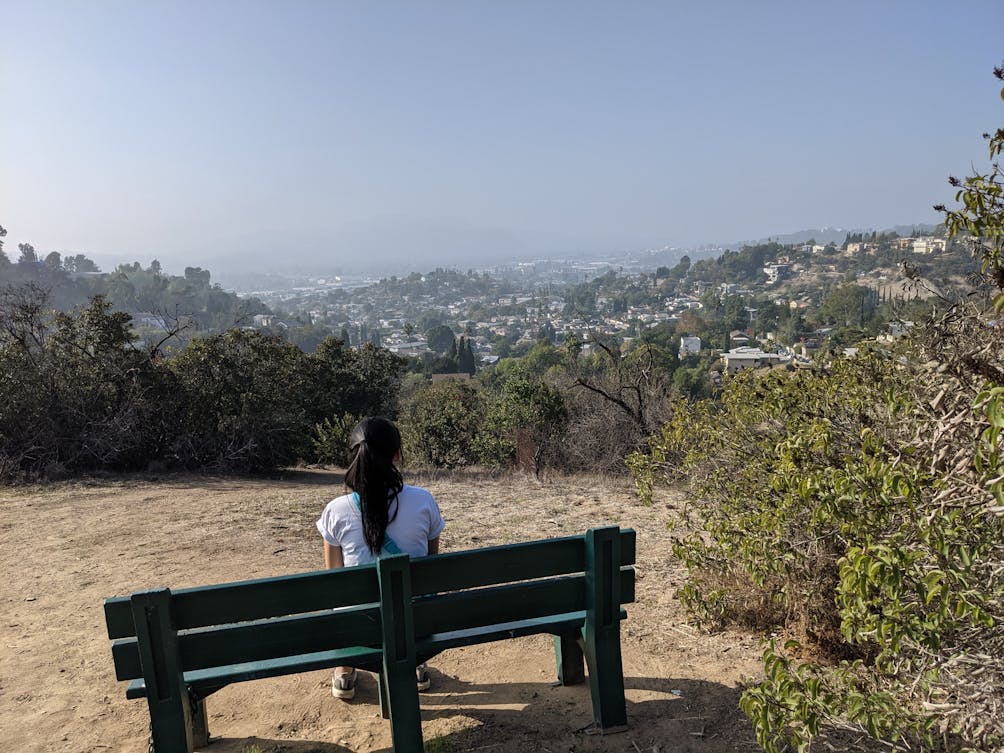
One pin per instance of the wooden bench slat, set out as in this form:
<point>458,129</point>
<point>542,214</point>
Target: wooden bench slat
<point>216,677</point>
<point>257,599</point>
<point>280,637</point>
<point>519,601</point>
<point>256,641</point>
<point>556,624</point>
<point>454,571</point>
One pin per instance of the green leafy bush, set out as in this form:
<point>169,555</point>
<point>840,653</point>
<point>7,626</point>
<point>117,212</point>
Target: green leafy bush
<point>524,418</point>
<point>851,508</point>
<point>244,401</point>
<point>439,424</point>
<point>75,395</point>
<point>79,393</point>
<point>331,440</point>
<point>364,382</point>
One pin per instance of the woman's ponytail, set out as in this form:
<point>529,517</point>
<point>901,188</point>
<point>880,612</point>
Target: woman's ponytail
<point>374,477</point>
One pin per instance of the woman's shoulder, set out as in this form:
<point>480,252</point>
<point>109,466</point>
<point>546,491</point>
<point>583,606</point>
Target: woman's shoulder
<point>340,505</point>
<point>417,493</point>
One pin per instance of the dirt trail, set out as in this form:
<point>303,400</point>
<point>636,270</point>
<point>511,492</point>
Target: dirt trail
<point>65,547</point>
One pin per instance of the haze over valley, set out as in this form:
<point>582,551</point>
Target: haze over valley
<point>387,139</point>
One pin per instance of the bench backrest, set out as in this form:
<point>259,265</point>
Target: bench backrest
<point>487,586</point>
<point>268,618</point>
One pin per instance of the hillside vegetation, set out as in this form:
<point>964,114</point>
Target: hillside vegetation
<point>858,509</point>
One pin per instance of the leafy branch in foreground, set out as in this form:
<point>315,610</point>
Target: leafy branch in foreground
<point>980,218</point>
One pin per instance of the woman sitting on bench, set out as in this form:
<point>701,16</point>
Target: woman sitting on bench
<point>381,515</point>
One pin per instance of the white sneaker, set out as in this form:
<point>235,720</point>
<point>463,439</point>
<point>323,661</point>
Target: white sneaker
<point>422,677</point>
<point>344,685</point>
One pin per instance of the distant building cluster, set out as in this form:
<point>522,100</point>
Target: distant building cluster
<point>926,244</point>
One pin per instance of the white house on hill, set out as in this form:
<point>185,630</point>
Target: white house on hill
<point>738,359</point>
<point>690,346</point>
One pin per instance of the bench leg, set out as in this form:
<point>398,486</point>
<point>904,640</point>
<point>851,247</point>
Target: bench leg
<point>166,694</point>
<point>199,722</point>
<point>568,657</point>
<point>606,681</point>
<point>394,575</point>
<point>169,730</point>
<point>382,691</point>
<point>601,633</point>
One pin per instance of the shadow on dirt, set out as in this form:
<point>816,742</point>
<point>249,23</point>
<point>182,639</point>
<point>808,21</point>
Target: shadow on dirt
<point>665,715</point>
<point>263,745</point>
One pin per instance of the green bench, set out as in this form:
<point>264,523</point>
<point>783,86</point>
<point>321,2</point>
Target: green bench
<point>178,647</point>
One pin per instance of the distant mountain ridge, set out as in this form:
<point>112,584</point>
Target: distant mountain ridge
<point>838,234</point>
<point>400,247</point>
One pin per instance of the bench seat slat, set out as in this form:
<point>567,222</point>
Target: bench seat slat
<point>557,624</point>
<point>216,677</point>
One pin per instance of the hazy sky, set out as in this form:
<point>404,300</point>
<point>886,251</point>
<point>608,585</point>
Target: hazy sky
<point>346,132</point>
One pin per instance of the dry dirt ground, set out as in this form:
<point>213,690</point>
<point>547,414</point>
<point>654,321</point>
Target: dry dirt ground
<point>66,546</point>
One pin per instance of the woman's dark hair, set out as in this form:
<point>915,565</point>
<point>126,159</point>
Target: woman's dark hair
<point>373,476</point>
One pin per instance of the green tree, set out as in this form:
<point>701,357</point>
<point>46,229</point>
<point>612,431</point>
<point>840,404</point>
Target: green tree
<point>74,394</point>
<point>197,276</point>
<point>28,255</point>
<point>465,357</point>
<point>735,316</point>
<point>363,382</point>
<point>244,400</point>
<point>443,365</point>
<point>681,269</point>
<point>441,339</point>
<point>524,418</point>
<point>80,263</point>
<point>849,306</point>
<point>440,421</point>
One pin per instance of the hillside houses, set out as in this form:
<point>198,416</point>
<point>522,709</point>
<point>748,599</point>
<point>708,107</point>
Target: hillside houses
<point>771,288</point>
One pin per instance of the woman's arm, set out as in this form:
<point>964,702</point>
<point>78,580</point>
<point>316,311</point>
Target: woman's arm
<point>434,546</point>
<point>333,558</point>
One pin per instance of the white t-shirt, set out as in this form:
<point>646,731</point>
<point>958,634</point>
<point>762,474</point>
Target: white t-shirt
<point>417,520</point>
